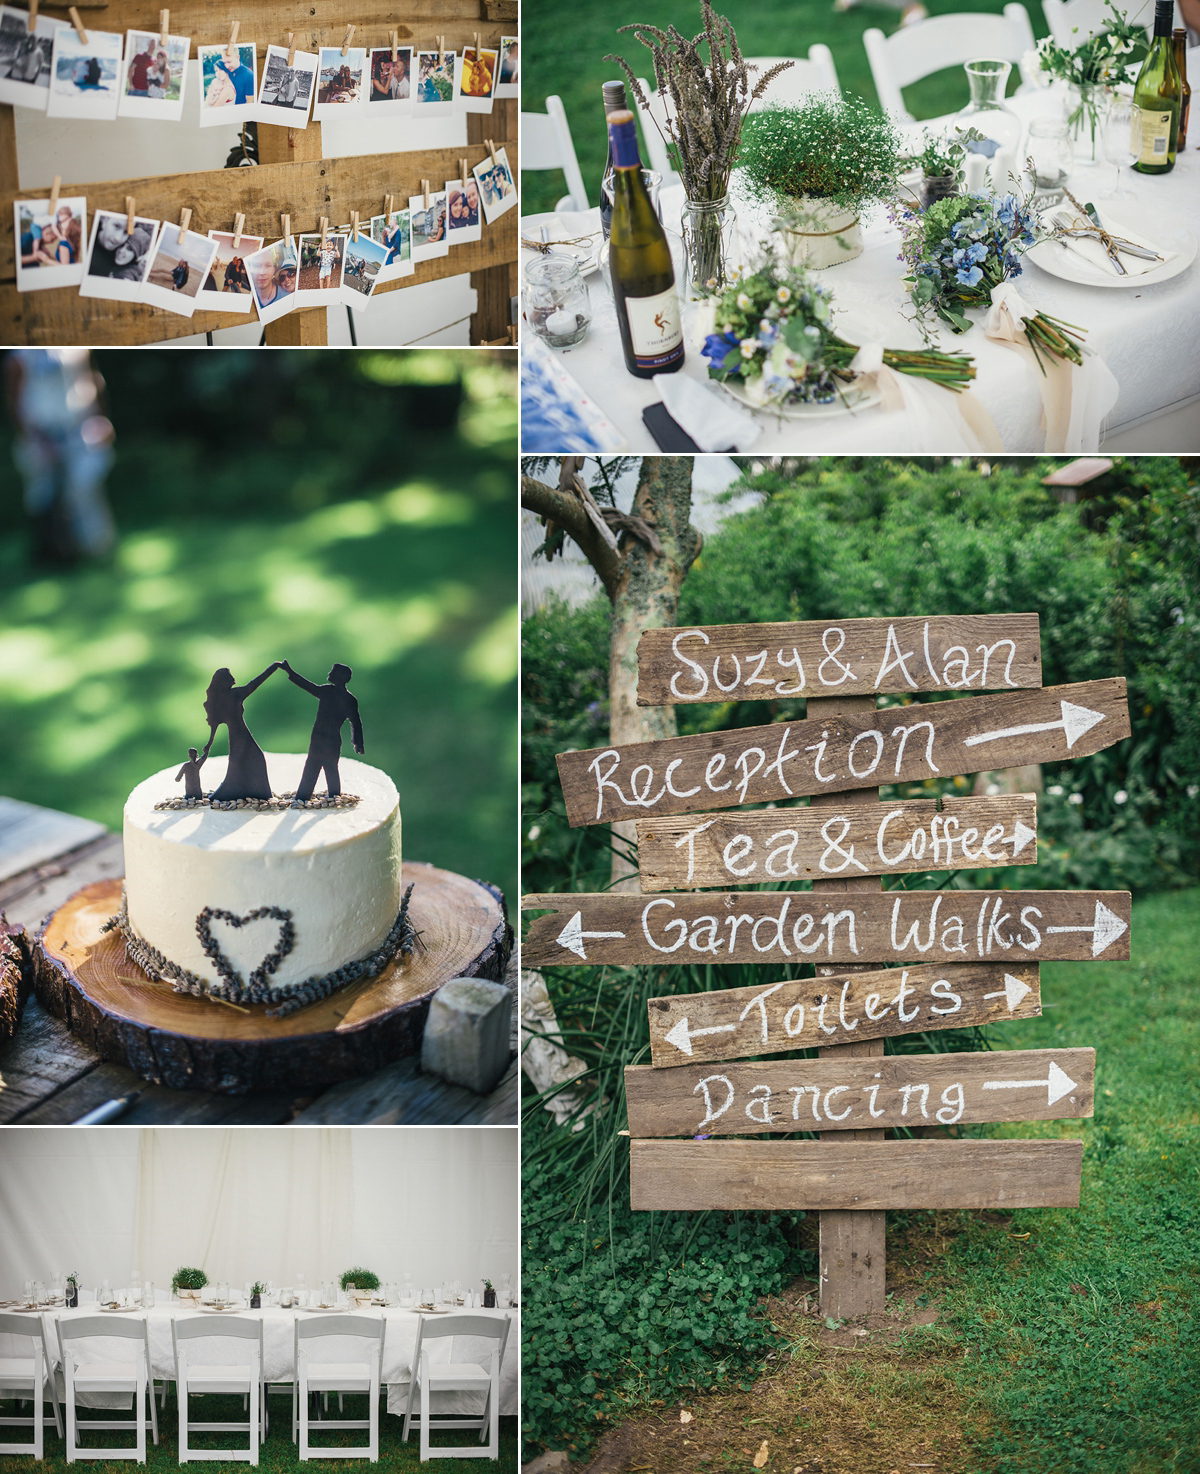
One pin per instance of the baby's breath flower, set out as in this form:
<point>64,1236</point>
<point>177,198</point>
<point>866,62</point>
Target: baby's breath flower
<point>784,294</point>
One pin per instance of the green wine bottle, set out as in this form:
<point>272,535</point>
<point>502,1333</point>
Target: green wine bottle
<point>639,263</point>
<point>1158,92</point>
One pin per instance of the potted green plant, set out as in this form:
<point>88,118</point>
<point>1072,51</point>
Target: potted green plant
<point>257,1290</point>
<point>71,1296</point>
<point>354,1281</point>
<point>489,1294</point>
<point>941,164</point>
<point>187,1284</point>
<point>816,165</point>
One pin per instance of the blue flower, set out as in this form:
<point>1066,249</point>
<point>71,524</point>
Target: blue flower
<point>970,276</point>
<point>718,346</point>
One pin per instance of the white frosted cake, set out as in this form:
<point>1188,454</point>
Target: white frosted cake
<point>326,881</point>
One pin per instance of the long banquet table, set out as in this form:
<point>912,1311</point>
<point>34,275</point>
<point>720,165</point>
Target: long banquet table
<point>1148,336</point>
<point>279,1364</point>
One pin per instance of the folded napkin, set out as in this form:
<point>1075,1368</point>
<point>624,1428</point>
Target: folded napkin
<point>712,419</point>
<point>1093,252</point>
<point>938,419</point>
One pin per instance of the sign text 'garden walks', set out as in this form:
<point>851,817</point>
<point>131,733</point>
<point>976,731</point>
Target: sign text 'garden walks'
<point>899,744</point>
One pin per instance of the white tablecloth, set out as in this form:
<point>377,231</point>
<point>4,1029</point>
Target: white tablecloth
<point>279,1339</point>
<point>1149,336</point>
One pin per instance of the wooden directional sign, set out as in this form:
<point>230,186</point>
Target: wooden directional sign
<point>817,1175</point>
<point>684,851</point>
<point>860,1094</point>
<point>811,1013</point>
<point>845,926</point>
<point>719,770</point>
<point>850,657</point>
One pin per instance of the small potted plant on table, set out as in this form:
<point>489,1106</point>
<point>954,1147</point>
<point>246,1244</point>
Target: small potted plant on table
<point>355,1281</point>
<point>941,164</point>
<point>489,1295</point>
<point>187,1284</point>
<point>257,1290</point>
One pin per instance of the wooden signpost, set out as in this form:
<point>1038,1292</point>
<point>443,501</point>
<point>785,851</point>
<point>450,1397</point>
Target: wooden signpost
<point>956,958</point>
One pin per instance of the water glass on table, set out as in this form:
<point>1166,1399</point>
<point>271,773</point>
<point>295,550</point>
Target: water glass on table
<point>1052,152</point>
<point>1122,138</point>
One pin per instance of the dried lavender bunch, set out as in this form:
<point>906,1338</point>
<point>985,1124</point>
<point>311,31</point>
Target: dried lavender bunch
<point>706,102</point>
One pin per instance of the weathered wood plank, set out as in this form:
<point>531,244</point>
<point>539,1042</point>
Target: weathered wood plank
<point>821,1012</point>
<point>798,926</point>
<point>817,1175</point>
<point>685,851</point>
<point>763,662</point>
<point>41,1060</point>
<point>401,1095</point>
<point>30,835</point>
<point>263,21</point>
<point>845,1094</point>
<point>937,739</point>
<point>156,1105</point>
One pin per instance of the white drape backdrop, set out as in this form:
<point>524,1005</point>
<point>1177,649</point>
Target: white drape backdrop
<point>439,1203</point>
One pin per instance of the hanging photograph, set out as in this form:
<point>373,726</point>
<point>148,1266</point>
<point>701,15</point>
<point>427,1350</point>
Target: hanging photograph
<point>228,84</point>
<point>273,280</point>
<point>394,233</point>
<point>508,82</point>
<point>49,243</point>
<point>118,258</point>
<point>227,286</point>
<point>364,261</point>
<point>433,91</point>
<point>429,235</point>
<point>475,79</point>
<point>320,277</point>
<point>154,76</point>
<point>496,185</point>
<point>286,90</point>
<point>462,211</point>
<point>85,77</point>
<point>25,58</point>
<point>341,82</point>
<point>178,270</point>
<point>390,92</point>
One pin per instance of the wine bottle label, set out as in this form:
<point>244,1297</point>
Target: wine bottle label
<point>655,330</point>
<point>1156,136</point>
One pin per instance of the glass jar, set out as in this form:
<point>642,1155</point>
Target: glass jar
<point>1084,107</point>
<point>558,306</point>
<point>1050,150</point>
<point>712,247</point>
<point>988,113</point>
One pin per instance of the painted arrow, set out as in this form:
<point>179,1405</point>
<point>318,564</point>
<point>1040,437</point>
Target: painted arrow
<point>681,1036</point>
<point>1075,721</point>
<point>1106,928</point>
<point>1057,1082</point>
<point>1021,836</point>
<point>1014,991</point>
<point>573,936</point>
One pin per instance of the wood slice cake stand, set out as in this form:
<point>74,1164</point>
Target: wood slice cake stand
<point>83,975</point>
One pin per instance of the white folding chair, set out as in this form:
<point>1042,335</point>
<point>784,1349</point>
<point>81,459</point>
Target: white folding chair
<point>918,51</point>
<point>546,143</point>
<point>194,1376</point>
<point>428,1377</point>
<point>82,1372</point>
<point>1071,22</point>
<point>358,1375</point>
<point>28,1378</point>
<point>802,78</point>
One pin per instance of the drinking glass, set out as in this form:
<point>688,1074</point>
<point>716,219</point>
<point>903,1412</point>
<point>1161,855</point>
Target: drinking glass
<point>105,1291</point>
<point>1122,135</point>
<point>286,1299</point>
<point>650,178</point>
<point>1052,151</point>
<point>148,1295</point>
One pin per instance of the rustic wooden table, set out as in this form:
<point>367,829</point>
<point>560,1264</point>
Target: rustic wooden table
<point>48,1077</point>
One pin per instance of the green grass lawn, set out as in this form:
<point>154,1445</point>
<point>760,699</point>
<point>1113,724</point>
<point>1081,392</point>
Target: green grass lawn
<point>276,1454</point>
<point>309,519</point>
<point>565,47</point>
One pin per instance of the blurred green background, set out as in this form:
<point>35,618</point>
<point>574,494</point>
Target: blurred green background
<point>565,47</point>
<point>313,506</point>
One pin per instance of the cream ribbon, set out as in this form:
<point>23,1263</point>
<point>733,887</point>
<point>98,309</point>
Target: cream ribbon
<point>942,421</point>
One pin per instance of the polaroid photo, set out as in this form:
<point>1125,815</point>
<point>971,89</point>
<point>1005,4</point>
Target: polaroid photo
<point>364,262</point>
<point>49,247</point>
<point>390,92</point>
<point>463,220</point>
<point>430,236</point>
<point>394,233</point>
<point>496,186</point>
<point>341,82</point>
<point>286,92</point>
<point>273,280</point>
<point>85,81</point>
<point>25,58</point>
<point>154,76</point>
<point>509,77</point>
<point>118,260</point>
<point>228,84</point>
<point>475,79</point>
<point>433,88</point>
<point>227,286</point>
<point>320,276</point>
<point>178,269</point>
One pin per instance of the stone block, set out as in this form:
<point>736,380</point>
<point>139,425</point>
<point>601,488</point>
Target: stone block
<point>467,1034</point>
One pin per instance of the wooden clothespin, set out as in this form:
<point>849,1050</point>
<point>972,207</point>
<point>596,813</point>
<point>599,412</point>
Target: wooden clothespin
<point>346,41</point>
<point>476,45</point>
<point>354,225</point>
<point>287,231</point>
<point>31,23</point>
<point>425,191</point>
<point>491,148</point>
<point>464,173</point>
<point>54,189</point>
<point>238,220</point>
<point>231,48</point>
<point>129,211</point>
<point>395,38</point>
<point>291,43</point>
<point>441,41</point>
<point>185,219</point>
<point>78,24</point>
<point>324,228</point>
<point>164,21</point>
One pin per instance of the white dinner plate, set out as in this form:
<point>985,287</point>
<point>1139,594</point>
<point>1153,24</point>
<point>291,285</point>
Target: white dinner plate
<point>1118,215</point>
<point>850,401</point>
<point>118,1309</point>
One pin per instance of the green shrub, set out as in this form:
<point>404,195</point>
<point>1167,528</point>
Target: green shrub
<point>189,1279</point>
<point>361,1279</point>
<point>833,148</point>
